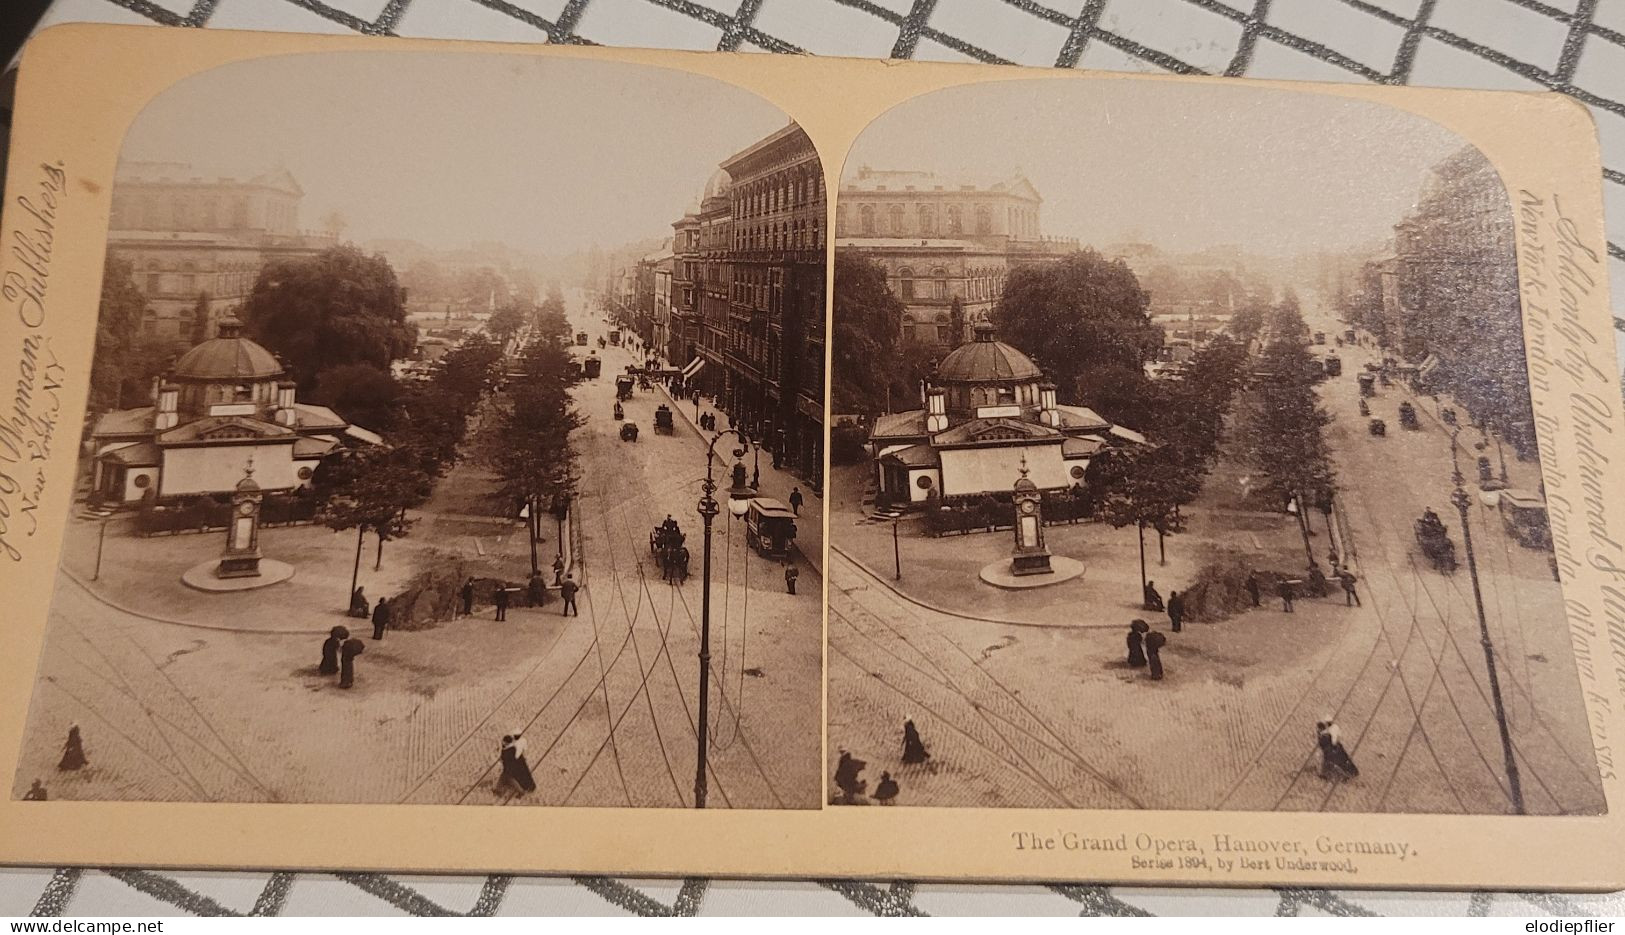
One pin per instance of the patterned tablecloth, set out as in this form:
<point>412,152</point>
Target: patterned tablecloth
<point>1574,46</point>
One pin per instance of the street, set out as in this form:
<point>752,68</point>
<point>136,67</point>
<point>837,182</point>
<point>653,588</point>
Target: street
<point>233,710</point>
<point>1035,716</point>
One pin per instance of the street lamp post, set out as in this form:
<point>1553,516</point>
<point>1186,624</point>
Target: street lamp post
<point>1462,502</point>
<point>708,509</point>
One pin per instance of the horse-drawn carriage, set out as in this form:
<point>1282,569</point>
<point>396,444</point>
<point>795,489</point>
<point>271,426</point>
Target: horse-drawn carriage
<point>1433,538</point>
<point>663,420</point>
<point>666,545</point>
<point>629,432</point>
<point>592,367</point>
<point>620,413</point>
<point>623,386</point>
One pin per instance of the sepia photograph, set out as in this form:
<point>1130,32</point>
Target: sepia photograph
<point>480,464</point>
<point>1183,457</point>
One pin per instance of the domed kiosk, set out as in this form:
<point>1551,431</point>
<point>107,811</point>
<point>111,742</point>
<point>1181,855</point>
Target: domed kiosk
<point>988,415</point>
<point>223,404</point>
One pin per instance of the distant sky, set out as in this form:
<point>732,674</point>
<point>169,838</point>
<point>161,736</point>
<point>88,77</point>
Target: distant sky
<point>546,155</point>
<point>1179,165</point>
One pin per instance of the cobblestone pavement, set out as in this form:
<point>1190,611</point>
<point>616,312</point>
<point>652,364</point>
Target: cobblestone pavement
<point>607,700</point>
<point>1021,716</point>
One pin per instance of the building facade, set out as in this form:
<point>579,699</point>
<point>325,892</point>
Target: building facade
<point>196,244</point>
<point>225,403</point>
<point>989,415</point>
<point>947,246</point>
<point>776,261</point>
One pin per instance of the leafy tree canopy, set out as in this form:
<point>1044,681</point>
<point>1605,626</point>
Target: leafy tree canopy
<point>339,307</point>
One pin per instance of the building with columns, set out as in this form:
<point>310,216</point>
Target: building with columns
<point>943,241</point>
<point>190,236</point>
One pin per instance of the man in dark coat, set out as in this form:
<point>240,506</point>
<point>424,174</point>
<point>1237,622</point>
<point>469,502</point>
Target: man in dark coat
<point>887,790</point>
<point>1347,579</point>
<point>567,590</point>
<point>352,648</point>
<point>846,777</point>
<point>1287,592</point>
<point>380,618</point>
<point>558,569</point>
<point>790,576</point>
<point>1154,641</point>
<point>1176,610</point>
<point>796,500</point>
<point>1153,600</point>
<point>358,603</point>
<point>468,597</point>
<point>1136,642</point>
<point>330,650</point>
<point>913,747</point>
<point>502,595</point>
<point>1252,587</point>
<point>537,589</point>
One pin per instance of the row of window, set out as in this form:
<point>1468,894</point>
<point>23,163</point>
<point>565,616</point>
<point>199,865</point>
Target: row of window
<point>980,286</point>
<point>188,212</point>
<point>234,283</point>
<point>782,192</point>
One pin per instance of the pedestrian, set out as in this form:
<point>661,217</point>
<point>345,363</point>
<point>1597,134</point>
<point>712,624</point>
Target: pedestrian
<point>35,793</point>
<point>73,752</point>
<point>1252,587</point>
<point>567,590</point>
<point>502,600</point>
<point>790,575</point>
<point>846,778</point>
<point>359,603</point>
<point>558,569</point>
<point>330,650</point>
<point>537,589</point>
<point>1154,641</point>
<point>796,500</point>
<point>913,748</point>
<point>1153,600</point>
<point>1335,762</point>
<point>887,790</point>
<point>1285,589</point>
<point>380,618</point>
<point>352,648</point>
<point>1176,610</point>
<point>468,597</point>
<point>1136,643</point>
<point>516,774</point>
<point>1350,596</point>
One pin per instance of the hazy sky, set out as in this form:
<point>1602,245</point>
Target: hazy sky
<point>446,149</point>
<point>1179,165</point>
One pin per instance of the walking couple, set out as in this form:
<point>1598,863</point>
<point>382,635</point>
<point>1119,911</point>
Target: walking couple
<point>516,779</point>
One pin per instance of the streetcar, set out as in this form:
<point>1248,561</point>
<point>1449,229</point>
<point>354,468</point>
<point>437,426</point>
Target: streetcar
<point>770,527</point>
<point>615,336</point>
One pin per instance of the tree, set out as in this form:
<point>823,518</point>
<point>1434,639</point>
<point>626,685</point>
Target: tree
<point>338,307</point>
<point>525,438</point>
<point>370,489</point>
<point>361,393</point>
<point>1286,424</point>
<point>506,322</point>
<point>1131,487</point>
<point>1077,316</point>
<point>118,326</point>
<point>875,367</point>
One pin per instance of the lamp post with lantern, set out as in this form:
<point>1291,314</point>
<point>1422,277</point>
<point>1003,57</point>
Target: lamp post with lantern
<point>708,508</point>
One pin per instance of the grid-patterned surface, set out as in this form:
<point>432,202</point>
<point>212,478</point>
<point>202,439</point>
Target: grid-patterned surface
<point>1573,46</point>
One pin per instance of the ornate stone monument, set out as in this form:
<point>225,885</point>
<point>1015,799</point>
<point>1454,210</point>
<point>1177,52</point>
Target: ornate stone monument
<point>241,557</point>
<point>1029,557</point>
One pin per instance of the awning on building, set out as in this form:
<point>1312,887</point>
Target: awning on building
<point>694,367</point>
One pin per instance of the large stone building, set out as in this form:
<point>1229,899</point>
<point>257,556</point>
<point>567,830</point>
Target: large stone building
<point>989,415</point>
<point>777,261</point>
<point>224,402</point>
<point>190,237</point>
<point>747,294</point>
<point>942,242</point>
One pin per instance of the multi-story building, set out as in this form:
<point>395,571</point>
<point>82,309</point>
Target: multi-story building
<point>774,380</point>
<point>683,336</point>
<point>947,246</point>
<point>198,243</point>
<point>660,326</point>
